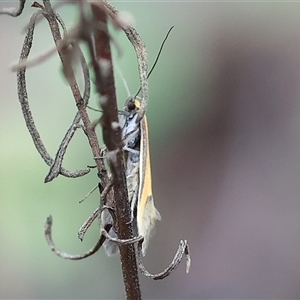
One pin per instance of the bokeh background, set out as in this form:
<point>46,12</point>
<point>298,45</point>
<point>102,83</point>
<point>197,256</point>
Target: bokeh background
<point>224,118</point>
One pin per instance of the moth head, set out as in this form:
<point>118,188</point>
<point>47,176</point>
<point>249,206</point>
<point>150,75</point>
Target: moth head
<point>129,122</point>
<point>132,105</point>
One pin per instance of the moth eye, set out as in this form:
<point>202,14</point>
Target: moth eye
<point>131,105</point>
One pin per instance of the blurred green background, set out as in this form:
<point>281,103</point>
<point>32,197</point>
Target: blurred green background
<point>224,121</point>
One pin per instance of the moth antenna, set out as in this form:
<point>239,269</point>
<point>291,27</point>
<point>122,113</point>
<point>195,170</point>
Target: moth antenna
<point>151,70</point>
<point>94,109</point>
<point>120,112</point>
<point>123,78</point>
<point>157,57</point>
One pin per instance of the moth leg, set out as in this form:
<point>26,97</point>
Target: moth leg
<point>103,152</point>
<point>112,241</point>
<point>183,249</point>
<point>86,225</point>
<point>131,150</point>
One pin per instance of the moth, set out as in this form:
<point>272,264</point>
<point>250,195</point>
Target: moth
<point>138,175</point>
<point>138,171</point>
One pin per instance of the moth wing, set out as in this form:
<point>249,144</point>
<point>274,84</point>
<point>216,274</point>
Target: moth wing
<point>147,214</point>
<point>110,247</point>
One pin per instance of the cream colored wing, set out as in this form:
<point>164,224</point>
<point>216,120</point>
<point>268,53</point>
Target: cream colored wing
<point>147,214</point>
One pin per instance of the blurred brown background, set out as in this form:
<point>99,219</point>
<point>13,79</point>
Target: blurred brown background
<point>224,118</point>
